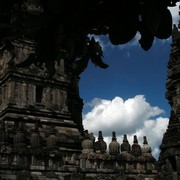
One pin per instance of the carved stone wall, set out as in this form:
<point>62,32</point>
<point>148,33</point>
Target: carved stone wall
<point>41,127</point>
<point>169,160</point>
<point>38,154</point>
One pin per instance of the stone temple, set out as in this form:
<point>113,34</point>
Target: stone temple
<point>41,131</point>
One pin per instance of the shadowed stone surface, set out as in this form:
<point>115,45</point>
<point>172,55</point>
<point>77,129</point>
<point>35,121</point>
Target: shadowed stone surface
<point>44,46</point>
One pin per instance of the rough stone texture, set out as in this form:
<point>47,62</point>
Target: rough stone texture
<point>169,160</point>
<point>38,131</point>
<point>41,130</point>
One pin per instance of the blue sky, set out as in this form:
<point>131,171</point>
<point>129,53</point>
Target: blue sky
<point>129,96</point>
<point>131,71</point>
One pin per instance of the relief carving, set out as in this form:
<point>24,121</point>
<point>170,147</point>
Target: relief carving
<point>5,58</point>
<point>23,50</point>
<point>46,97</point>
<point>59,69</point>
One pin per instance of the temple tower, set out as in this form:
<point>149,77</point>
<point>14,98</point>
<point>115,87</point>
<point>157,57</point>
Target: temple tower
<point>30,96</point>
<point>42,53</point>
<point>169,159</point>
<point>40,115</point>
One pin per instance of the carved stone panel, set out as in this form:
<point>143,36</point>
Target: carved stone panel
<point>5,58</point>
<point>22,50</point>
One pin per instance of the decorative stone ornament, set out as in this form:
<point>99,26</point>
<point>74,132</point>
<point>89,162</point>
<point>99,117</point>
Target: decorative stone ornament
<point>125,146</point>
<point>114,146</point>
<point>100,145</point>
<point>136,148</point>
<point>87,143</point>
<point>146,149</point>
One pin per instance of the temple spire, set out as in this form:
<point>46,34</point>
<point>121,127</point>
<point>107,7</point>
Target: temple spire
<point>170,153</point>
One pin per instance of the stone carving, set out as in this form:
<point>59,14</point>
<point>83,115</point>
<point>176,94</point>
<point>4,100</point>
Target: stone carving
<point>33,68</point>
<point>23,49</point>
<point>100,145</point>
<point>136,149</point>
<point>125,146</point>
<point>52,140</point>
<point>146,149</point>
<point>44,46</point>
<point>114,146</point>
<point>169,156</point>
<point>5,57</point>
<point>59,69</point>
<point>87,143</point>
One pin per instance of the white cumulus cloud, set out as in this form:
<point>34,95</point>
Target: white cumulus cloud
<point>132,116</point>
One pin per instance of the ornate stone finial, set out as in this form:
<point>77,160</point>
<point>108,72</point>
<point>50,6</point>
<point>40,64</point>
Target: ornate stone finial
<point>114,136</point>
<point>100,145</point>
<point>145,140</point>
<point>146,148</point>
<point>86,134</point>
<point>91,135</point>
<point>125,138</point>
<point>125,146</point>
<point>114,146</point>
<point>87,143</point>
<point>100,137</point>
<point>136,148</point>
<point>175,27</point>
<point>135,139</point>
